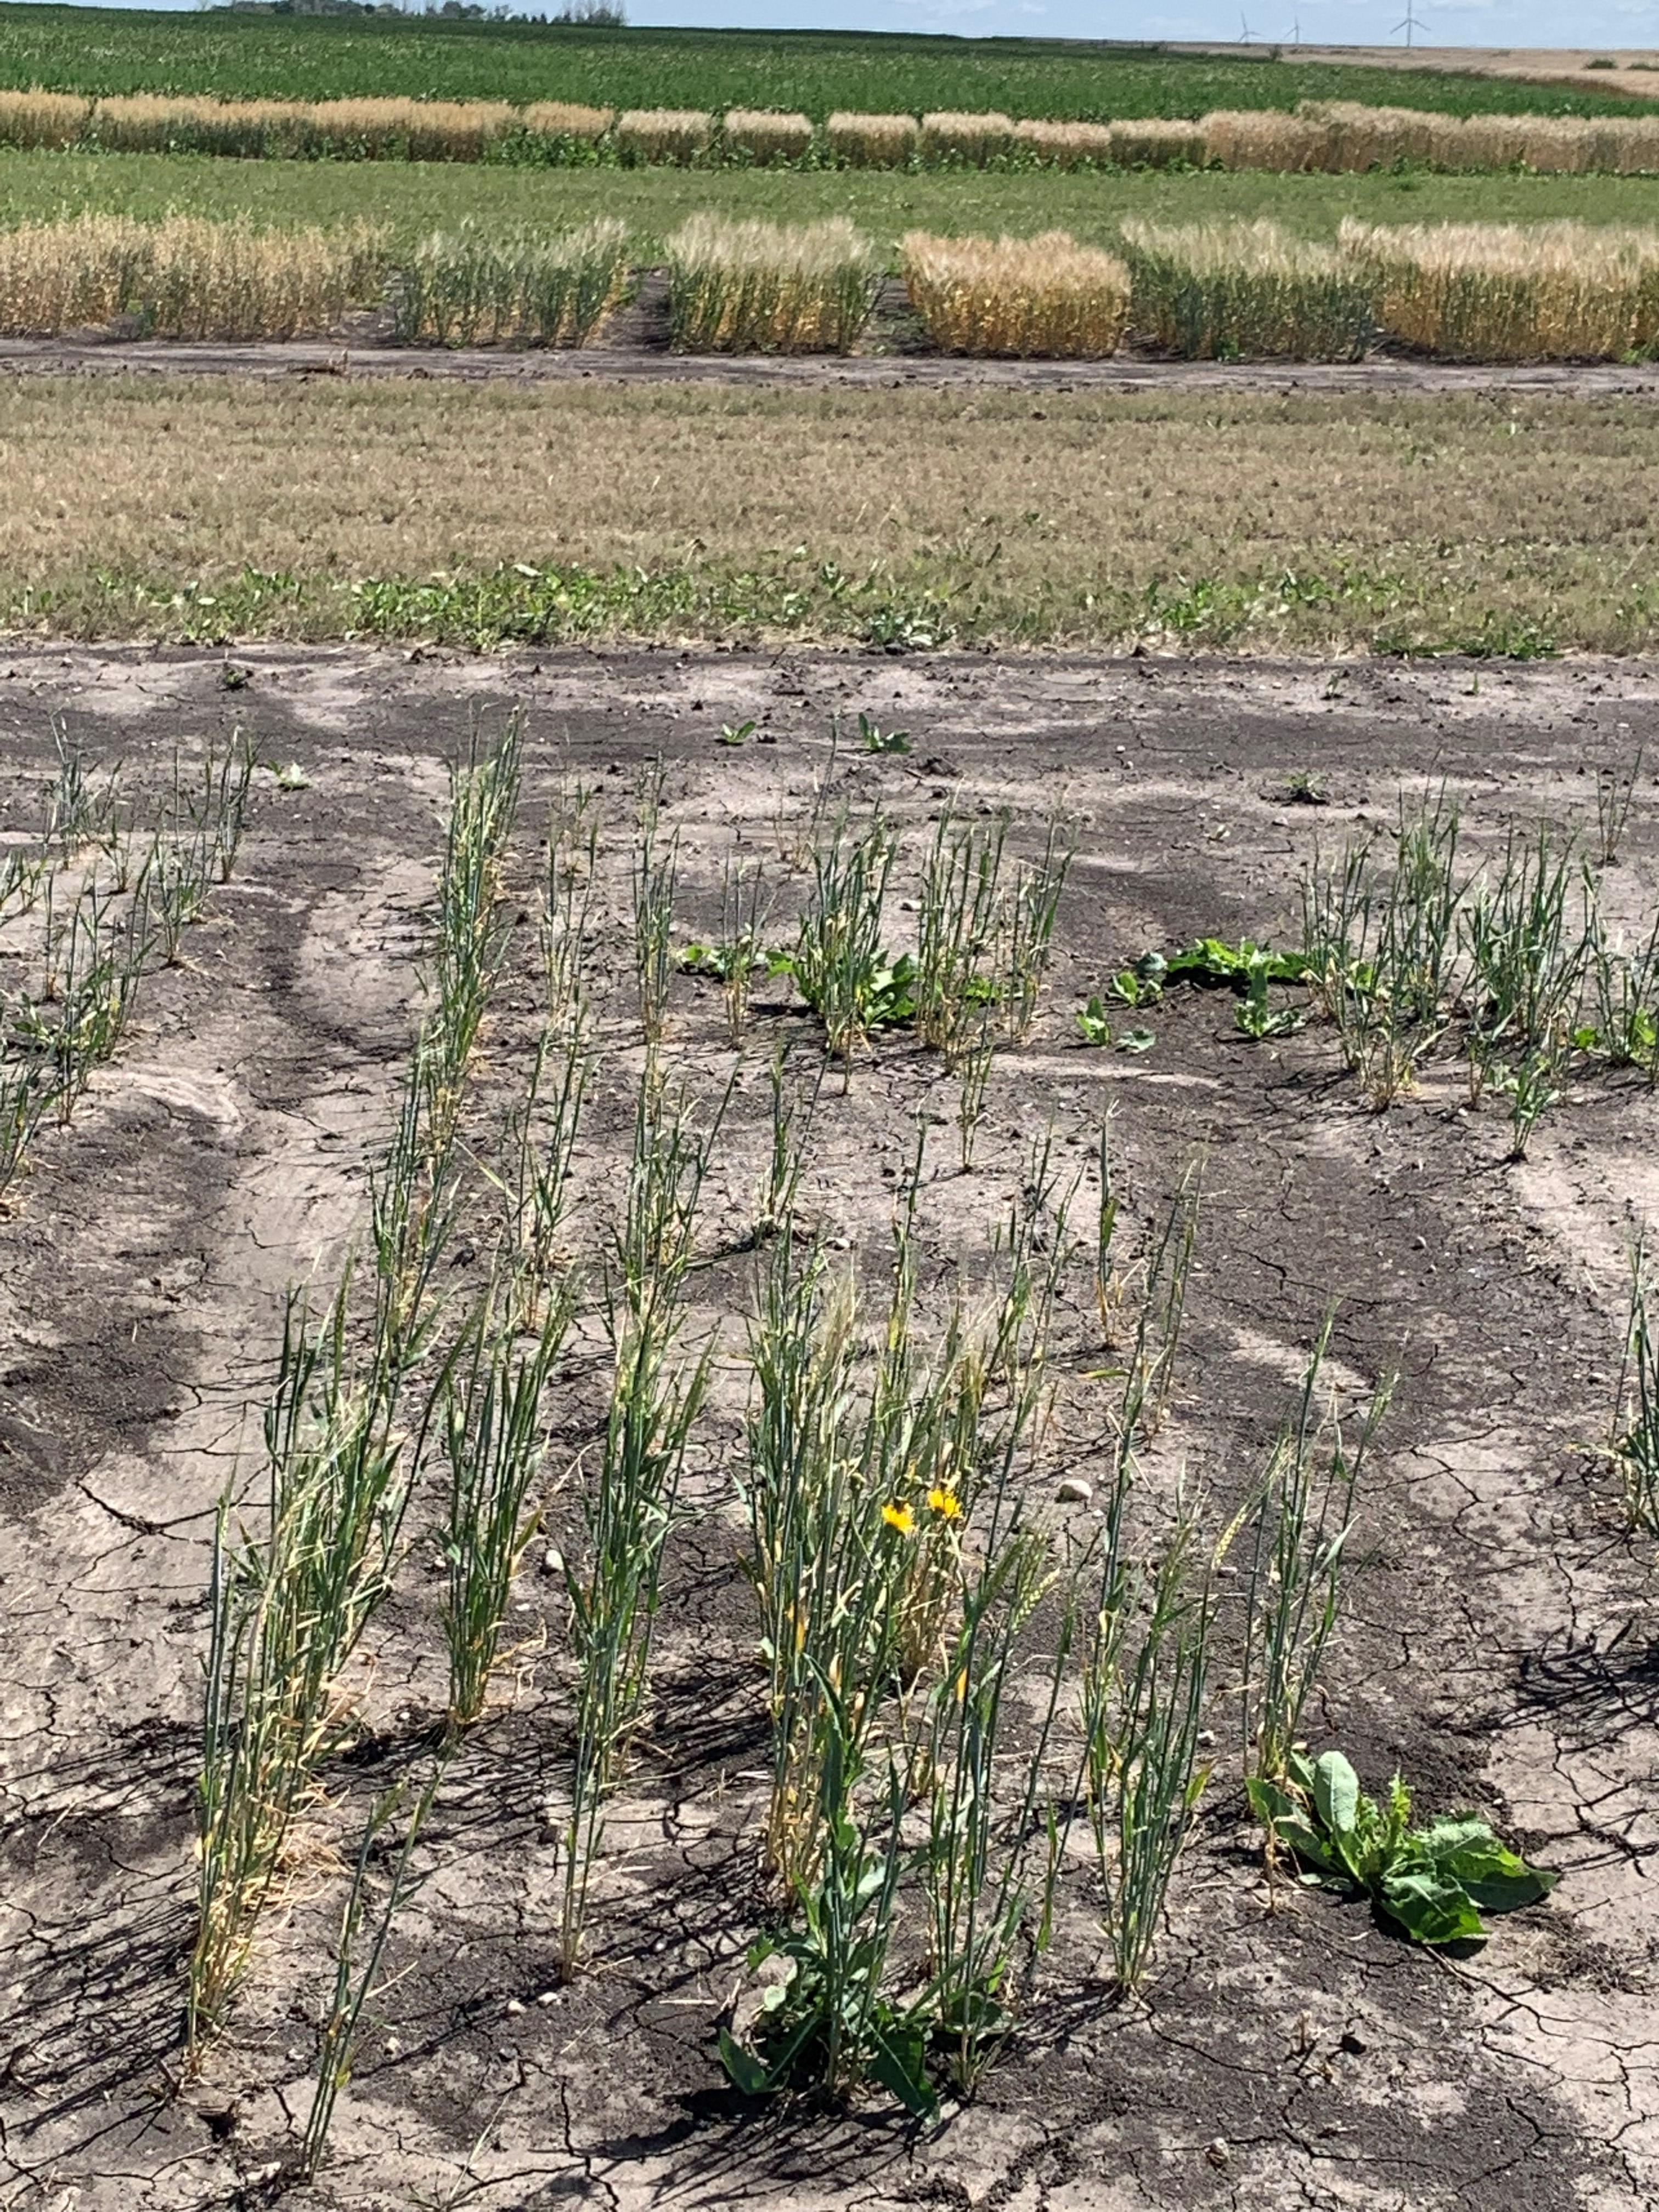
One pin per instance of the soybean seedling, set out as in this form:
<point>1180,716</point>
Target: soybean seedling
<point>874,739</point>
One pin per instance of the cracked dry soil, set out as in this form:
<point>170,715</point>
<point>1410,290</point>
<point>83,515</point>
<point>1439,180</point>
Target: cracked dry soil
<point>1503,1647</point>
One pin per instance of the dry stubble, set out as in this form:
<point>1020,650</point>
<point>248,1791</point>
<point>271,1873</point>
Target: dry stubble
<point>1044,517</point>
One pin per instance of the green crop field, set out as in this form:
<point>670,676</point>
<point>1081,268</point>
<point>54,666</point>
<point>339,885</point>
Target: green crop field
<point>416,197</point>
<point>111,51</point>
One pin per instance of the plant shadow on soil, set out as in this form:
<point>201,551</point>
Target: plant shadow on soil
<point>1499,1649</point>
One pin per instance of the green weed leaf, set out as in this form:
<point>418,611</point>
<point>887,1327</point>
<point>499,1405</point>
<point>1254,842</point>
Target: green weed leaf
<point>1336,1794</point>
<point>1430,1907</point>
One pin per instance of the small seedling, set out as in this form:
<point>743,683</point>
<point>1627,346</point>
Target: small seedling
<point>1254,1017</point>
<point>1095,1027</point>
<point>736,733</point>
<point>1215,964</point>
<point>292,778</point>
<point>1141,985</point>
<point>1304,788</point>
<point>1433,1882</point>
<point>1094,1024</point>
<point>1614,793</point>
<point>875,739</point>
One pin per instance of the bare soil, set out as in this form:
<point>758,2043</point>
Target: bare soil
<point>1635,70</point>
<point>1504,1646</point>
<point>633,347</point>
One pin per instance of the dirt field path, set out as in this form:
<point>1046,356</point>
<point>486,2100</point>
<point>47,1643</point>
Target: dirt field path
<point>1502,1650</point>
<point>651,365</point>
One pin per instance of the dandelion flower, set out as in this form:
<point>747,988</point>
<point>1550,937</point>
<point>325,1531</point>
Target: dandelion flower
<point>900,1517</point>
<point>945,1503</point>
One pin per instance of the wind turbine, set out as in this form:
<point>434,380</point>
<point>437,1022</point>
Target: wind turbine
<point>1410,23</point>
<point>1245,35</point>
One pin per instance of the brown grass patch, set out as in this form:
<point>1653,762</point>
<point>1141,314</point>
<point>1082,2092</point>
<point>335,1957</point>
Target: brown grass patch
<point>1105,512</point>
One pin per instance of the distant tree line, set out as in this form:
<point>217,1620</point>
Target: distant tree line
<point>593,14</point>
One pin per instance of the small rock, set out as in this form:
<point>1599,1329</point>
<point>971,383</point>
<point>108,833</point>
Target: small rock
<point>1355,2045</point>
<point>515,2005</point>
<point>550,1996</point>
<point>1217,2151</point>
<point>552,1560</point>
<point>1075,1491</point>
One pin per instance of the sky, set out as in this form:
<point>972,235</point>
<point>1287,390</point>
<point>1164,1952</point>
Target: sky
<point>1323,22</point>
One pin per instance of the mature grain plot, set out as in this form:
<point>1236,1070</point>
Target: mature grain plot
<point>1462,1653</point>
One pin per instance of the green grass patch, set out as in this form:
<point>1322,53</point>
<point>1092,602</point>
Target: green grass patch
<point>924,607</point>
<point>414,198</point>
<point>106,50</point>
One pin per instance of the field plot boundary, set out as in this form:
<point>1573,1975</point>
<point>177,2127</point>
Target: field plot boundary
<point>647,365</point>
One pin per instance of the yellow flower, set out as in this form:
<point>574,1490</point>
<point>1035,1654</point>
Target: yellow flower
<point>900,1517</point>
<point>945,1503</point>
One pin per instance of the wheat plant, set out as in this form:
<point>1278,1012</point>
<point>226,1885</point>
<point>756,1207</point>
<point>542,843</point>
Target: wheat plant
<point>673,134</point>
<point>1245,290</point>
<point>1300,1563</point>
<point>841,967</point>
<point>43,119</point>
<point>472,287</point>
<point>950,138</point>
<point>769,287</point>
<point>1158,143</point>
<point>1500,292</point>
<point>1635,1401</point>
<point>629,1509</point>
<point>185,277</point>
<point>493,1448</point>
<point>762,135</point>
<point>1040,297</point>
<point>1144,1677</point>
<point>1065,145</point>
<point>872,142</point>
<point>567,119</point>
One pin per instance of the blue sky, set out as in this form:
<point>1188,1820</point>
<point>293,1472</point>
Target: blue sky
<point>1335,22</point>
